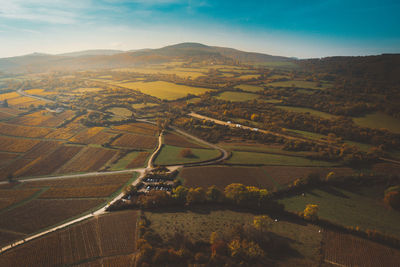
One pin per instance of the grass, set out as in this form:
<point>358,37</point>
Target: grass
<point>200,222</point>
<point>249,76</point>
<point>143,105</point>
<point>300,84</point>
<point>349,208</point>
<point>124,161</point>
<point>237,96</point>
<point>253,158</point>
<point>308,110</point>
<point>121,112</point>
<point>379,120</point>
<point>165,90</point>
<point>250,88</point>
<point>278,64</point>
<point>306,134</point>
<point>169,155</point>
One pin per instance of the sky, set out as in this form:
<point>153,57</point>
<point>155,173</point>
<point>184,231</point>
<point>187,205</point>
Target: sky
<point>294,28</point>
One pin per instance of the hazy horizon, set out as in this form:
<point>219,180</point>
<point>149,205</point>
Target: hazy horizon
<point>291,28</point>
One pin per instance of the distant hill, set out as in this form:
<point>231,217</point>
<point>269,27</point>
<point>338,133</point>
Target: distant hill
<point>102,59</point>
<point>95,52</point>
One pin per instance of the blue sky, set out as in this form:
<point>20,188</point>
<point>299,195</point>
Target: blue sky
<point>298,28</point>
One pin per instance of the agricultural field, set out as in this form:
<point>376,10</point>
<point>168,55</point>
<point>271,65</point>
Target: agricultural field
<point>131,160</point>
<point>7,158</point>
<point>135,141</point>
<point>173,139</point>
<point>138,128</point>
<point>379,120</point>
<point>359,207</point>
<point>181,72</point>
<point>49,164</point>
<point>11,144</point>
<point>300,84</point>
<point>23,131</point>
<point>66,133</point>
<point>93,135</point>
<point>90,159</point>
<point>170,155</point>
<point>43,118</point>
<point>347,250</point>
<point>9,197</point>
<point>139,161</point>
<point>41,213</point>
<point>110,238</point>
<point>164,90</point>
<point>253,158</point>
<point>199,223</point>
<point>39,92</point>
<point>237,96</point>
<point>249,76</point>
<point>223,176</point>
<point>250,88</point>
<point>308,110</point>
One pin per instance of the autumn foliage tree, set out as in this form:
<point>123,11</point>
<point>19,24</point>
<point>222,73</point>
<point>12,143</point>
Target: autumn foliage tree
<point>311,212</point>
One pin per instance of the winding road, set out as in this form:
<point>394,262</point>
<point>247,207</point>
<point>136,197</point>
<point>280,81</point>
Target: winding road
<point>142,172</point>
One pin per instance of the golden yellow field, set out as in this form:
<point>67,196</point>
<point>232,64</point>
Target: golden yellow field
<point>164,90</point>
<point>9,96</point>
<point>24,131</point>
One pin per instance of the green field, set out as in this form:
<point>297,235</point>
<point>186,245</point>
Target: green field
<point>349,208</point>
<point>122,112</point>
<point>124,161</point>
<point>181,72</point>
<point>309,110</point>
<point>164,90</point>
<point>240,157</point>
<point>249,76</point>
<point>143,105</point>
<point>250,88</point>
<point>379,120</point>
<point>300,84</point>
<point>237,96</point>
<point>199,223</point>
<point>169,155</point>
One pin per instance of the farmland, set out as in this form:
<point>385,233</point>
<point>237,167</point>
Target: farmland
<point>198,224</point>
<point>252,158</point>
<point>223,176</point>
<point>138,128</point>
<point>250,88</point>
<point>308,110</point>
<point>349,208</point>
<point>237,96</point>
<point>11,144</point>
<point>93,157</point>
<point>135,141</point>
<point>300,84</point>
<point>379,120</point>
<point>31,217</point>
<point>178,140</point>
<point>348,250</point>
<point>107,235</point>
<point>164,90</point>
<point>24,131</point>
<point>170,155</point>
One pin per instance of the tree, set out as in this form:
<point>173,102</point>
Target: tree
<point>180,193</point>
<point>213,194</point>
<point>236,193</point>
<point>195,195</point>
<point>311,212</point>
<point>186,153</point>
<point>262,222</point>
<point>213,237</point>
